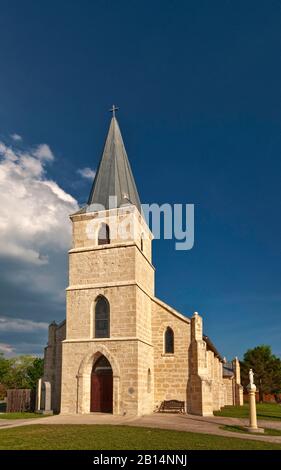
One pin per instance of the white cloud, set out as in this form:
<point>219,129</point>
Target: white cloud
<point>87,173</point>
<point>34,210</point>
<point>6,348</point>
<point>16,137</point>
<point>43,152</point>
<point>12,325</point>
<point>35,234</point>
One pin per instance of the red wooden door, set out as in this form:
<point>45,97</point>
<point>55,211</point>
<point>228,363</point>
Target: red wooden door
<point>107,393</point>
<point>101,393</point>
<point>95,393</point>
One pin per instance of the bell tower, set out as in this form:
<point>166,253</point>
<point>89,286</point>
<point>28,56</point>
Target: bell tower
<point>111,283</point>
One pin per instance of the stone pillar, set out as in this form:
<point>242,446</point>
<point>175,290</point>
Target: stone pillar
<point>196,327</point>
<point>38,395</point>
<point>48,398</point>
<point>253,426</point>
<point>45,398</point>
<point>253,411</point>
<point>199,391</point>
<point>238,389</point>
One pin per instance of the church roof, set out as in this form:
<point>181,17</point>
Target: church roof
<point>212,347</point>
<point>114,176</point>
<point>228,370</point>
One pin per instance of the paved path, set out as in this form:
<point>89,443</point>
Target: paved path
<point>178,422</point>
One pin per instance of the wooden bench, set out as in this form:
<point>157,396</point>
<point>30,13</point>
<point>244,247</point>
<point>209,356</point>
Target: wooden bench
<point>172,406</point>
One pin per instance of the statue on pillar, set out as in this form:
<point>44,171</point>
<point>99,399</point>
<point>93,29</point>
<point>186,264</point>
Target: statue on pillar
<point>253,425</point>
<point>251,377</point>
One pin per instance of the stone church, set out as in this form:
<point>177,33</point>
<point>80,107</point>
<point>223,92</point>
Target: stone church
<point>122,350</point>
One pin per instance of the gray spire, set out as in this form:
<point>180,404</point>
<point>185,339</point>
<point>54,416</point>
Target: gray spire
<point>114,176</point>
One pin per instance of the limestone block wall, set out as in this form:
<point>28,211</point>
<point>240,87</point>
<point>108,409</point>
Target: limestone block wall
<point>238,389</point>
<point>145,378</point>
<point>229,391</point>
<point>61,332</point>
<point>50,353</point>
<point>217,384</point>
<point>110,264</point>
<point>130,362</point>
<point>143,315</point>
<point>170,370</point>
<point>144,272</point>
<point>125,224</point>
<point>143,374</point>
<point>200,383</point>
<point>221,389</point>
<point>145,245</point>
<point>213,374</point>
<point>104,264</point>
<point>81,310</point>
<point>239,396</point>
<point>205,374</point>
<point>53,362</point>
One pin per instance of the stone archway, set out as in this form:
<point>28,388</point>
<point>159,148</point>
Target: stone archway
<point>84,379</point>
<point>101,386</point>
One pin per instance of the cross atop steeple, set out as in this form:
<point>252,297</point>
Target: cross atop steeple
<point>113,109</point>
<point>114,176</point>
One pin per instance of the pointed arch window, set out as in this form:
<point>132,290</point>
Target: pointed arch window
<point>142,242</point>
<point>104,235</point>
<point>148,381</point>
<point>169,341</point>
<point>102,318</point>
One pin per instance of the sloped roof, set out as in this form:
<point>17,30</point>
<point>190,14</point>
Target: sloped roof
<point>228,370</point>
<point>212,347</point>
<point>114,176</point>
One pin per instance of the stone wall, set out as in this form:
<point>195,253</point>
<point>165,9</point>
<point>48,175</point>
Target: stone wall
<point>143,374</point>
<point>121,272</point>
<point>238,390</point>
<point>53,362</point>
<point>228,391</point>
<point>170,370</point>
<point>205,381</point>
<point>130,361</point>
<point>81,309</point>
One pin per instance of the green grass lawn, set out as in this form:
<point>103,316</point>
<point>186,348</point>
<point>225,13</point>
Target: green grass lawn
<point>242,429</point>
<point>270,411</point>
<point>97,437</point>
<point>24,415</point>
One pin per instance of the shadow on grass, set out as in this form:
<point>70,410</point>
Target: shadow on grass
<point>243,430</point>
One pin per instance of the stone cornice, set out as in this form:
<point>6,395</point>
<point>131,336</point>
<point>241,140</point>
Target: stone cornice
<point>107,340</point>
<point>109,284</point>
<point>170,309</point>
<point>109,247</point>
<point>131,283</point>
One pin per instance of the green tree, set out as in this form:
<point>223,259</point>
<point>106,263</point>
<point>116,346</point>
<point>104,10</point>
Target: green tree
<point>35,371</point>
<point>23,372</point>
<point>4,366</point>
<point>266,367</point>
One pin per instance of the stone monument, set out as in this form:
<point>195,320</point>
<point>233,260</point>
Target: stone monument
<point>43,397</point>
<point>253,426</point>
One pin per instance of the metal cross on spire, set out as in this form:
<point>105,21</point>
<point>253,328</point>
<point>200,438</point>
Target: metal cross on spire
<point>113,109</point>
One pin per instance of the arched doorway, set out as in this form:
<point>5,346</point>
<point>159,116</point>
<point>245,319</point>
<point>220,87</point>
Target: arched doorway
<point>101,386</point>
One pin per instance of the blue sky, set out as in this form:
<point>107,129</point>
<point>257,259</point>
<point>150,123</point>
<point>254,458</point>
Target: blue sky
<point>198,86</point>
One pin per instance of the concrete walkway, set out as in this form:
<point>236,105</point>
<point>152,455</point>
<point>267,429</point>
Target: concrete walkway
<point>178,422</point>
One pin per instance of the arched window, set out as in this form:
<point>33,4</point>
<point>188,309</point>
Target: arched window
<point>102,318</point>
<point>148,381</point>
<point>142,242</point>
<point>104,235</point>
<point>169,341</point>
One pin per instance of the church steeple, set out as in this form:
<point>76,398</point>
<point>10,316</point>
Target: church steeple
<point>114,176</point>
